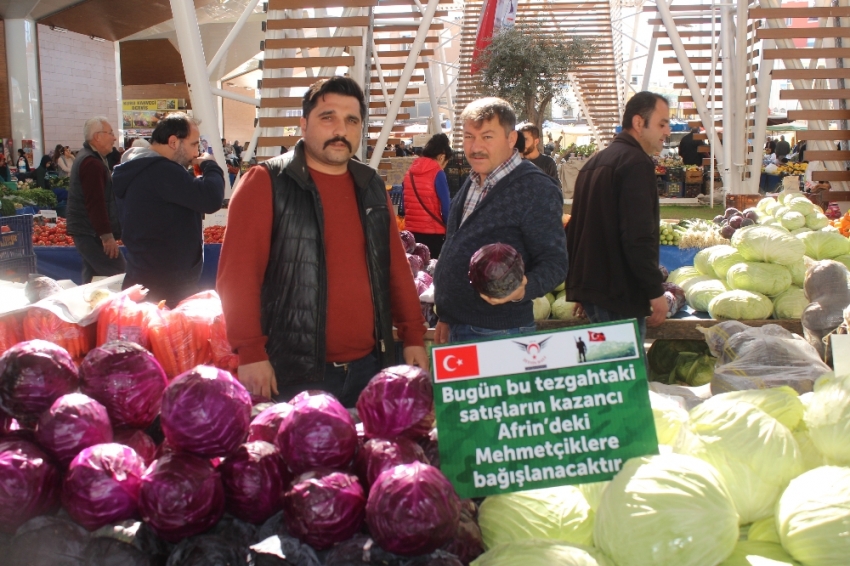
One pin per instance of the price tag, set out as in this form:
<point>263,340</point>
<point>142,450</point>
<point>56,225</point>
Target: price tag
<point>49,216</point>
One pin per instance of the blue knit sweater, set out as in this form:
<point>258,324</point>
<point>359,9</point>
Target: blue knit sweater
<point>523,210</point>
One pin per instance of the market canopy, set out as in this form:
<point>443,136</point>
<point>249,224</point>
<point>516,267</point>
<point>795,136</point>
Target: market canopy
<point>787,128</point>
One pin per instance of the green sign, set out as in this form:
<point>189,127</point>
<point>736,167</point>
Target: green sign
<point>541,410</point>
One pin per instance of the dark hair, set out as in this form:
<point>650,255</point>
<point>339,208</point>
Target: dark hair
<point>642,104</point>
<point>335,85</point>
<point>58,151</point>
<point>531,129</point>
<point>520,143</point>
<point>484,109</point>
<point>438,145</point>
<point>177,124</point>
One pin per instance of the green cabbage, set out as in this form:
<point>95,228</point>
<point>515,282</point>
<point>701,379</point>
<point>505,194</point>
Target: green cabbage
<point>825,245</point>
<point>541,553</point>
<point>722,258</point>
<point>827,418</point>
<point>798,272</point>
<point>802,205</point>
<point>559,513</point>
<point>802,230</point>
<point>663,354</point>
<point>550,297</point>
<point>769,221</point>
<point>790,304</point>
<point>792,220</point>
<point>786,196</point>
<point>812,458</point>
<point>679,276</point>
<point>702,263</point>
<point>765,278</point>
<point>764,530</point>
<point>753,452</point>
<point>748,553</point>
<point>688,284</point>
<point>740,305</point>
<point>666,510</point>
<point>768,244</point>
<point>669,418</point>
<point>700,293</point>
<point>541,307</point>
<point>780,211</point>
<point>593,492</point>
<point>562,309</point>
<point>771,204</point>
<point>816,221</point>
<point>782,403</point>
<point>844,259</point>
<point>764,203</point>
<point>813,517</point>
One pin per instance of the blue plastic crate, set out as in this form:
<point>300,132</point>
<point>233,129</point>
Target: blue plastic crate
<point>18,269</point>
<point>17,242</point>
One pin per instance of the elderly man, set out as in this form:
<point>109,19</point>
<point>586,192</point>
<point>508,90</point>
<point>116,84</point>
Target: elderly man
<point>91,212</point>
<point>505,199</point>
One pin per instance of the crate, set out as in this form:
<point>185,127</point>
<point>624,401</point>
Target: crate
<point>742,202</point>
<point>693,176</point>
<point>693,190</point>
<point>17,270</point>
<point>18,242</point>
<point>397,197</point>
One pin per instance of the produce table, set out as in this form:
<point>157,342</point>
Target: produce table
<point>672,257</point>
<point>64,262</point>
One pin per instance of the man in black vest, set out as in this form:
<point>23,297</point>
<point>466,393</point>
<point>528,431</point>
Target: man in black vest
<point>312,274</point>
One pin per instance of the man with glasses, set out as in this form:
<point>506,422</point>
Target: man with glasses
<point>91,213</point>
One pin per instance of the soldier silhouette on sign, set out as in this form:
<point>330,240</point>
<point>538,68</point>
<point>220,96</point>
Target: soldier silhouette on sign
<point>582,349</point>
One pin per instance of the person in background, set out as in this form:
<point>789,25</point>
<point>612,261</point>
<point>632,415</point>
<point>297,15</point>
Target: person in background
<point>24,167</point>
<point>783,148</point>
<point>65,162</point>
<point>228,148</point>
<point>91,213</point>
<point>531,133</point>
<point>313,275</point>
<point>161,207</point>
<point>612,237</point>
<point>114,158</point>
<point>426,194</point>
<point>5,174</point>
<point>42,172</point>
<point>689,148</point>
<point>237,149</point>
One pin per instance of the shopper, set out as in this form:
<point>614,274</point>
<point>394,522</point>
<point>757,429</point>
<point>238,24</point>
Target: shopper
<point>161,206</point>
<point>43,172</point>
<point>312,274</point>
<point>5,174</point>
<point>91,213</point>
<point>689,148</point>
<point>612,237</point>
<point>426,194</point>
<point>64,162</point>
<point>783,148</point>
<point>505,199</point>
<point>24,168</point>
<point>531,133</point>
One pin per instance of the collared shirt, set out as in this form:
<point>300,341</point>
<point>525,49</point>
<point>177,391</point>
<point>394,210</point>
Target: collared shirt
<point>479,187</point>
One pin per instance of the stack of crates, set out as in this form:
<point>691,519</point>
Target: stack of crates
<point>397,198</point>
<point>17,259</point>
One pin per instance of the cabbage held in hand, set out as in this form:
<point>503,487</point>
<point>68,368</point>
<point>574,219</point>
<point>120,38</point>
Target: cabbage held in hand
<point>558,514</point>
<point>102,485</point>
<point>825,245</point>
<point>670,510</point>
<point>740,305</point>
<point>33,374</point>
<point>317,433</point>
<point>398,401</point>
<point>496,270</point>
<point>253,481</point>
<point>324,507</point>
<point>127,380</point>
<point>74,421</point>
<point>541,553</point>
<point>29,483</point>
<point>769,245</point>
<point>379,455</point>
<point>412,509</point>
<point>206,412</point>
<point>765,278</point>
<point>181,496</point>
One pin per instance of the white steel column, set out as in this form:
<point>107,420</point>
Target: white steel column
<point>195,68</point>
<point>435,127</point>
<point>649,58</point>
<point>119,127</point>
<point>231,36</point>
<point>728,74</point>
<point>763,89</point>
<point>24,86</point>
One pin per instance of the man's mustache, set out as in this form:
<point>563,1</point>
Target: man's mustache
<point>479,156</point>
<point>338,139</point>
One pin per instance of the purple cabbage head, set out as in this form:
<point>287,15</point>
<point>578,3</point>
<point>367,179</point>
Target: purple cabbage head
<point>139,441</point>
<point>127,380</point>
<point>29,483</point>
<point>33,374</point>
<point>379,455</point>
<point>74,421</point>
<point>408,241</point>
<point>205,411</point>
<point>496,270</point>
<point>267,423</point>
<point>324,507</point>
<point>664,273</point>
<point>318,433</point>
<point>424,254</point>
<point>415,263</point>
<point>467,543</point>
<point>398,401</point>
<point>253,479</point>
<point>431,267</point>
<point>102,485</point>
<point>412,509</point>
<point>181,496</point>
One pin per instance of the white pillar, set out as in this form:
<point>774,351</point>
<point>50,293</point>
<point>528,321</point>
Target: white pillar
<point>119,127</point>
<point>728,74</point>
<point>24,87</point>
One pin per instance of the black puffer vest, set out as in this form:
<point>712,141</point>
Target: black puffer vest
<point>294,292</point>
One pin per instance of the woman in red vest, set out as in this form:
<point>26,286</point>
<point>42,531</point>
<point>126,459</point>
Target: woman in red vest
<point>426,195</point>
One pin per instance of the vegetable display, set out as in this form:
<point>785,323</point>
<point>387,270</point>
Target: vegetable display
<point>73,422</point>
<point>253,481</point>
<point>398,401</point>
<point>29,483</point>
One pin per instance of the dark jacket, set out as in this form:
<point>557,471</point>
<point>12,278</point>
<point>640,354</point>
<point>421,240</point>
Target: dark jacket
<point>77,214</point>
<point>523,210</point>
<point>161,207</point>
<point>612,237</point>
<point>689,150</point>
<point>293,297</point>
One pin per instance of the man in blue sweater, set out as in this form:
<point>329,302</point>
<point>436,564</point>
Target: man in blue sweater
<point>161,207</point>
<point>505,200</point>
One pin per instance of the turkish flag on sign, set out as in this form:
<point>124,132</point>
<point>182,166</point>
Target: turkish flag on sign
<point>452,363</point>
<point>595,336</point>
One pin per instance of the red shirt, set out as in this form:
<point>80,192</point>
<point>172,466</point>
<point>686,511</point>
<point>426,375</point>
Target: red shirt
<point>350,316</point>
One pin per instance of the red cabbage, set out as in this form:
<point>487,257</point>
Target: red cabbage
<point>253,481</point>
<point>415,263</point>
<point>408,241</point>
<point>74,421</point>
<point>318,433</point>
<point>675,296</point>
<point>206,412</point>
<point>424,254</point>
<point>181,496</point>
<point>267,423</point>
<point>33,374</point>
<point>29,483</point>
<point>496,270</point>
<point>467,543</point>
<point>48,541</point>
<point>412,509</point>
<point>127,380</point>
<point>398,401</point>
<point>379,455</point>
<point>139,441</point>
<point>102,485</point>
<point>324,507</point>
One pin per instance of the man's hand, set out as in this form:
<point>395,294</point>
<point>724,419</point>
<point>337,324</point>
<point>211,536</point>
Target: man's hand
<point>202,158</point>
<point>258,378</point>
<point>416,356</point>
<point>441,333</point>
<point>659,311</point>
<point>578,311</point>
<point>110,246</point>
<point>514,297</point>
